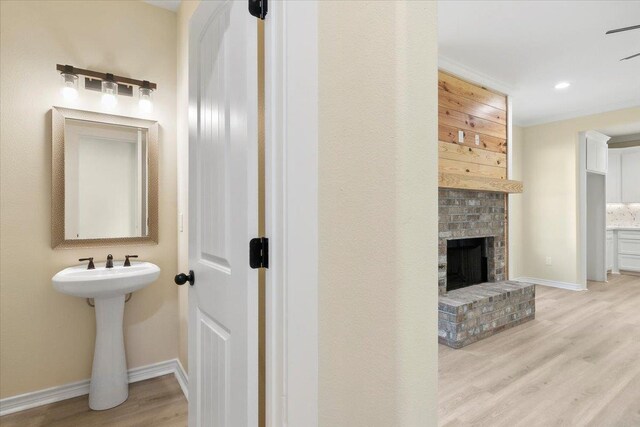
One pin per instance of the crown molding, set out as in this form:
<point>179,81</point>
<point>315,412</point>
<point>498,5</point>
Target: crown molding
<point>453,67</point>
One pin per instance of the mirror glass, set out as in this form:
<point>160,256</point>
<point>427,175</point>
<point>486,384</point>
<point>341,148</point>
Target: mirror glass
<point>104,179</point>
<point>105,169</point>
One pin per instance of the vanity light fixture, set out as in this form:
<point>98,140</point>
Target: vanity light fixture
<point>109,84</point>
<point>145,96</point>
<point>69,83</point>
<point>109,91</point>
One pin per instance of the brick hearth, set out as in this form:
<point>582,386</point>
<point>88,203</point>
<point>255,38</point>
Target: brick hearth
<point>475,312</point>
<point>470,314</point>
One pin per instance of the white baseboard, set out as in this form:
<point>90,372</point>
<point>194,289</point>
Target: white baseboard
<point>152,371</point>
<point>12,404</point>
<point>183,378</point>
<point>553,283</point>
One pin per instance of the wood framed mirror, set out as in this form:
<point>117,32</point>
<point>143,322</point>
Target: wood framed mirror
<point>104,179</point>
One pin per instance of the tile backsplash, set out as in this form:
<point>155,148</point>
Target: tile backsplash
<point>623,214</point>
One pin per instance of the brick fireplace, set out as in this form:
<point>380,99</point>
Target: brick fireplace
<point>476,301</point>
<point>465,214</point>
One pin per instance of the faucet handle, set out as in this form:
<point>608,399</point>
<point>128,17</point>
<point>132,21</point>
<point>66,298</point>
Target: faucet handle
<point>90,266</point>
<point>127,263</point>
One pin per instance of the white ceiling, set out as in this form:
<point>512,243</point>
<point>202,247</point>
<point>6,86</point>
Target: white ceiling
<point>524,48</point>
<point>172,5</point>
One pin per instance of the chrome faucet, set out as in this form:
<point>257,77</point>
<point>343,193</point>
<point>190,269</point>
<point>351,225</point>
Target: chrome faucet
<point>109,261</point>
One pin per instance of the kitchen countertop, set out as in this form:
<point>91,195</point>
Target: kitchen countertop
<point>623,228</point>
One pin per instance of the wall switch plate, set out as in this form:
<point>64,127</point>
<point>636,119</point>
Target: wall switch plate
<point>460,137</point>
<point>477,139</point>
<point>547,260</point>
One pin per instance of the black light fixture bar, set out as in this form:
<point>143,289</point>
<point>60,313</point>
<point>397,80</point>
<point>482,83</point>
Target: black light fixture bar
<point>103,76</point>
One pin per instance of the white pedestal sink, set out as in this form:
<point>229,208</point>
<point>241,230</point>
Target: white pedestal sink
<point>108,287</point>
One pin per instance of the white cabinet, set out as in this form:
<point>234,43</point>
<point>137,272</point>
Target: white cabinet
<point>597,152</point>
<point>630,176</point>
<point>623,176</point>
<point>623,250</point>
<point>614,189</point>
<point>629,262</point>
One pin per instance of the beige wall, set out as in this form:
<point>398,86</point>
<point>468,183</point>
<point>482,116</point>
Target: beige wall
<point>182,122</point>
<point>378,288</point>
<point>515,205</point>
<point>549,217</point>
<point>377,300</point>
<point>46,338</point>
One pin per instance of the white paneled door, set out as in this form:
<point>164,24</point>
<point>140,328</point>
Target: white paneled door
<point>223,216</point>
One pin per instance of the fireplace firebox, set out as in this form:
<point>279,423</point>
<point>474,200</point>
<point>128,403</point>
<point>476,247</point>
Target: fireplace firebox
<point>467,262</point>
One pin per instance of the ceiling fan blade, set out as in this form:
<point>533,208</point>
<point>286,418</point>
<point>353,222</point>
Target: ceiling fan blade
<point>619,30</point>
<point>629,57</point>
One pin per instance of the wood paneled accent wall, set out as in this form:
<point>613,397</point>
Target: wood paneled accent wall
<point>480,161</point>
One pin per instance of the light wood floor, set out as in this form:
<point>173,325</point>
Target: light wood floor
<point>158,402</point>
<point>576,364</point>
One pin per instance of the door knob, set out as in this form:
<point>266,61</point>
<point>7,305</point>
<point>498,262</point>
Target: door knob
<point>182,278</point>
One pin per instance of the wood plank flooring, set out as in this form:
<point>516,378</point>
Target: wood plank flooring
<point>576,364</point>
<point>157,402</point>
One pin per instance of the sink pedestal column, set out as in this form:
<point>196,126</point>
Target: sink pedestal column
<point>109,379</point>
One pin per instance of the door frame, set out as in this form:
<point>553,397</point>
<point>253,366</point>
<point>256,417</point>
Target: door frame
<point>582,206</point>
<point>291,187</point>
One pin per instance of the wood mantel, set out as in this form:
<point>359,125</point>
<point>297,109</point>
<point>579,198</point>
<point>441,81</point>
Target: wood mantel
<point>467,182</point>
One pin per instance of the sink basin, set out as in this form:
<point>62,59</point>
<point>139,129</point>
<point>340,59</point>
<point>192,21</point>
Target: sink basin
<point>108,287</point>
<point>105,282</point>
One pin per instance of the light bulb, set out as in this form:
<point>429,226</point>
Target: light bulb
<point>145,105</point>
<point>109,100</point>
<point>69,85</point>
<point>109,92</point>
<point>144,92</point>
<point>69,93</point>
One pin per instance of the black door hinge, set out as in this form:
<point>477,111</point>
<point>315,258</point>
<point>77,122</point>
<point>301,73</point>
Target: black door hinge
<point>258,8</point>
<point>259,252</point>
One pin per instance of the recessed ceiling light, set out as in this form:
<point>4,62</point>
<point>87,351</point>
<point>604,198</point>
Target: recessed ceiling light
<point>562,85</point>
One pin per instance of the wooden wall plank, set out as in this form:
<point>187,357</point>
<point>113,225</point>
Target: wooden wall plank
<point>478,112</point>
<point>487,142</point>
<point>450,180</point>
<point>451,84</point>
<point>472,169</point>
<point>465,121</point>
<point>469,106</point>
<point>471,155</point>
